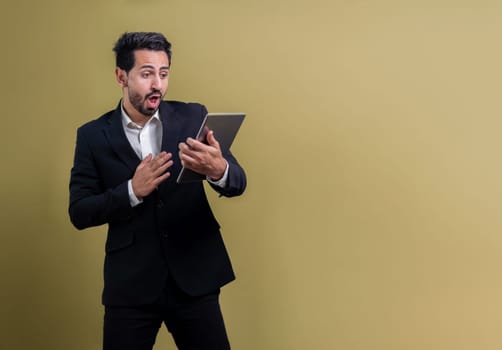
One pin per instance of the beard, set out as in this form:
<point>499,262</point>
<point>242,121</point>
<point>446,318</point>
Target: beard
<point>139,102</point>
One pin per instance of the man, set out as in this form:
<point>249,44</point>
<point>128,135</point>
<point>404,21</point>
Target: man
<point>165,258</point>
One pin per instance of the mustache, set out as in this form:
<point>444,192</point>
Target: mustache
<point>154,92</point>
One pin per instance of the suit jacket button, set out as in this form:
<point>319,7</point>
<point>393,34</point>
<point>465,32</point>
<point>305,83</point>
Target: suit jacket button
<point>164,235</point>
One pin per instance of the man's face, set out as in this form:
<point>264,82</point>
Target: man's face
<point>146,83</point>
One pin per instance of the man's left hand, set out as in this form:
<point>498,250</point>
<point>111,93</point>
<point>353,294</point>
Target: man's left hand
<point>203,159</point>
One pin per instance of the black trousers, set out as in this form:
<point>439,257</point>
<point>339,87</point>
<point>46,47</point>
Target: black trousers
<point>196,323</point>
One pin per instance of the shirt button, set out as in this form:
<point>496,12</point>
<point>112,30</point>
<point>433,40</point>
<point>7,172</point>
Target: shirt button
<point>160,204</point>
<point>164,235</point>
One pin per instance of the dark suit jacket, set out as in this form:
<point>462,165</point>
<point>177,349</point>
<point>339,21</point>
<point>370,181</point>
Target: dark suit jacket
<point>172,231</point>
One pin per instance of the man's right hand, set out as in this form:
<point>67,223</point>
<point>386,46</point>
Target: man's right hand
<point>150,173</point>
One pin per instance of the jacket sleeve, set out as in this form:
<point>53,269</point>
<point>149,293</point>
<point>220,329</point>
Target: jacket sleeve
<point>91,204</point>
<point>236,182</point>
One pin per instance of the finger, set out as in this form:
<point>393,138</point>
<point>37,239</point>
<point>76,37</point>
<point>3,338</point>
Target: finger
<point>163,158</point>
<point>147,159</point>
<point>161,179</point>
<point>187,152</point>
<point>160,160</point>
<point>161,155</point>
<point>195,145</point>
<point>144,162</point>
<point>194,163</point>
<point>186,149</point>
<point>160,170</point>
<point>187,158</point>
<point>182,146</point>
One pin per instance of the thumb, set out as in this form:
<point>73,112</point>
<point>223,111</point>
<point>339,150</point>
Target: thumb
<point>211,140</point>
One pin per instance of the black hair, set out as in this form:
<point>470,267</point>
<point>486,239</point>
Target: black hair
<point>129,42</point>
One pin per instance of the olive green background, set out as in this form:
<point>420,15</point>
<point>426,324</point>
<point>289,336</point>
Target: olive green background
<point>372,147</point>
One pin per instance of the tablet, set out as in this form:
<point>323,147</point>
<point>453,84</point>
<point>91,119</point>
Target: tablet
<point>225,127</point>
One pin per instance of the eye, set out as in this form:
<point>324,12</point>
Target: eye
<point>145,74</point>
<point>164,75</point>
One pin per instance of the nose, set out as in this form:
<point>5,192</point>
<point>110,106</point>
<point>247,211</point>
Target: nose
<point>156,83</point>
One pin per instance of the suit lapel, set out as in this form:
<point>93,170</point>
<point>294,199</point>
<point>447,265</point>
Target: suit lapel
<point>170,128</point>
<point>114,132</point>
<point>172,132</point>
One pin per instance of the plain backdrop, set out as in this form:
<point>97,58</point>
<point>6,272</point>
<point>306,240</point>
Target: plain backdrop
<point>372,148</point>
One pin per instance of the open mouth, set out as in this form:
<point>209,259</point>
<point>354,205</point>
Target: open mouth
<point>153,101</point>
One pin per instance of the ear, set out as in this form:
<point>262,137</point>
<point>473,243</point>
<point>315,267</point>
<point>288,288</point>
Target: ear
<point>121,76</point>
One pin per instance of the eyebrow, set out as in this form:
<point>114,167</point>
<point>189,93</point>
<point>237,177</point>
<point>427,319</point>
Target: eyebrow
<point>148,66</point>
